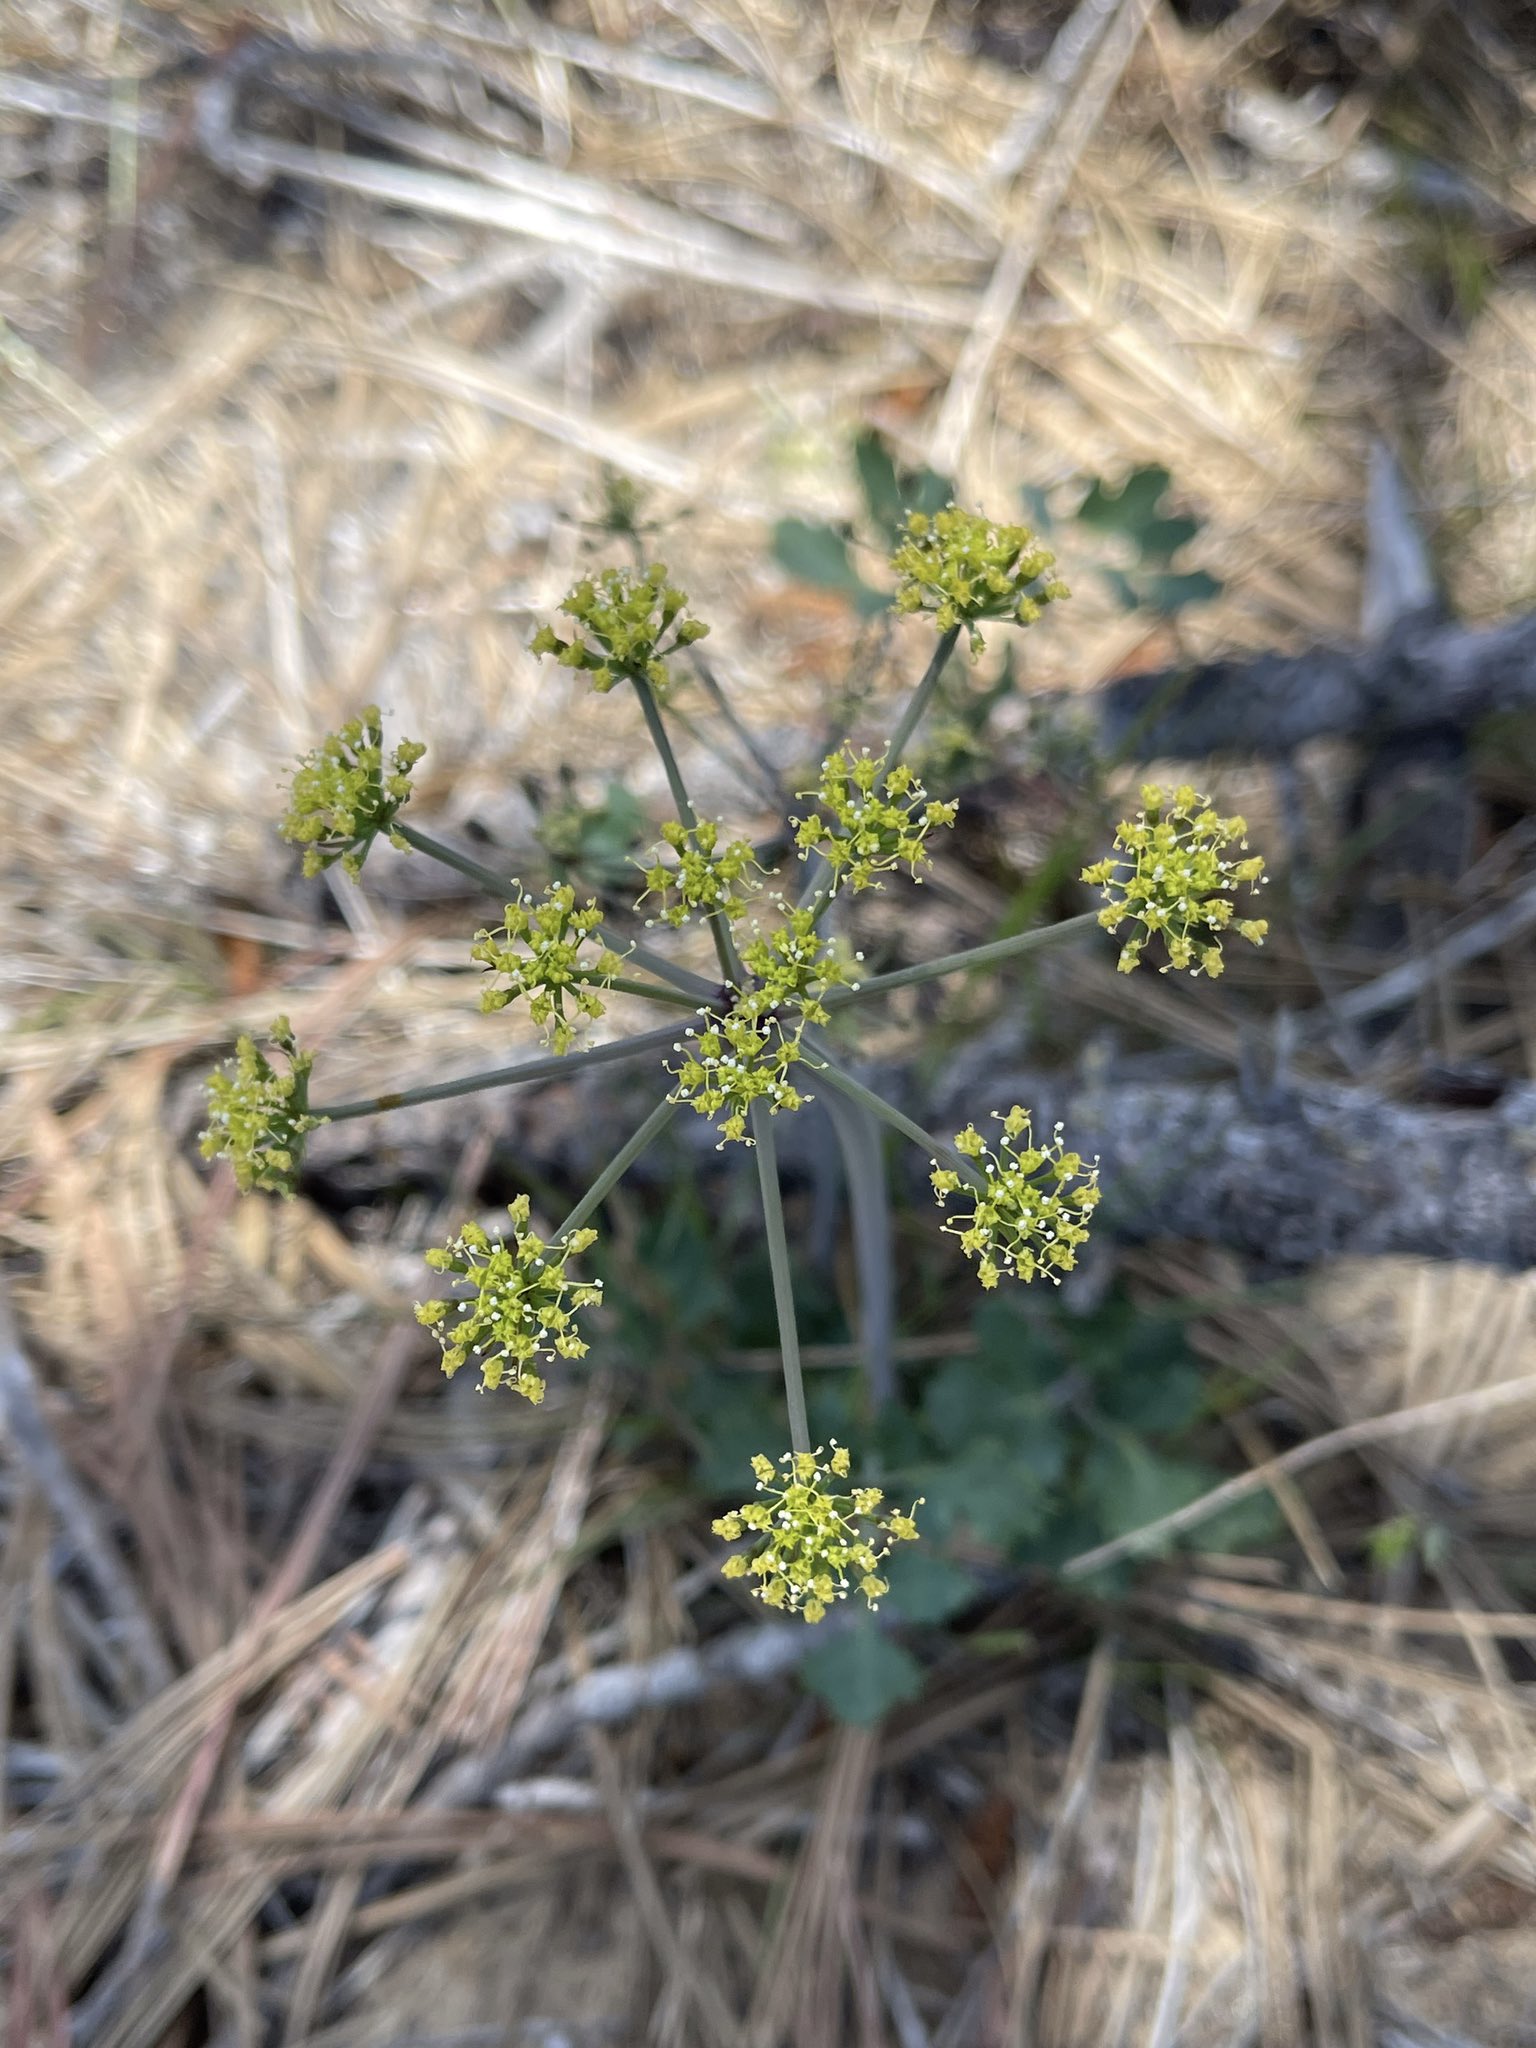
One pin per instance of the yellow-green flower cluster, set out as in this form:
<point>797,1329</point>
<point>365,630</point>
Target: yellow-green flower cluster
<point>792,967</point>
<point>521,1311</point>
<point>345,794</point>
<point>870,822</point>
<point>742,1055</point>
<point>730,1063</point>
<point>1173,877</point>
<point>963,568</point>
<point>818,1543</point>
<point>540,951</point>
<point>1032,1212</point>
<point>706,877</point>
<point>627,625</point>
<point>258,1118</point>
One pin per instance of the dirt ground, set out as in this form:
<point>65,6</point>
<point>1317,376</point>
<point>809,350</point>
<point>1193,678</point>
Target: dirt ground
<point>340,1711</point>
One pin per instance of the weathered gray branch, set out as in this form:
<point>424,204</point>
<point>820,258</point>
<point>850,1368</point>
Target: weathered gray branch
<point>1427,674</point>
<point>1307,1174</point>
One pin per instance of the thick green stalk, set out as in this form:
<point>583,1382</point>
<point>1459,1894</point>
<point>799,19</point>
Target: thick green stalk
<point>719,927</point>
<point>618,1166</point>
<point>500,886</point>
<point>778,1263</point>
<point>557,1065</point>
<point>652,991</point>
<point>991,955</point>
<point>919,701</point>
<point>888,1113</point>
<point>651,710</point>
<point>462,863</point>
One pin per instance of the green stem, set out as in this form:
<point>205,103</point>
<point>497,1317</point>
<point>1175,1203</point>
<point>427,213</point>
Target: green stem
<point>888,1113</point>
<point>618,1166</point>
<point>919,701</point>
<point>742,732</point>
<point>500,886</point>
<point>622,985</point>
<point>958,963</point>
<point>450,857</point>
<point>783,1286</point>
<point>658,732</point>
<point>557,1065</point>
<point>719,927</point>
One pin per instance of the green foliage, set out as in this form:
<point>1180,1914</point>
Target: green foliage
<point>1172,877</point>
<point>259,1117</point>
<point>815,553</point>
<point>547,953</point>
<point>627,625</point>
<point>891,494</point>
<point>927,1589</point>
<point>346,793</point>
<point>1132,514</point>
<point>521,1309</point>
<point>1404,1536</point>
<point>1059,1432</point>
<point>872,819</point>
<point>595,840</point>
<point>861,1674</point>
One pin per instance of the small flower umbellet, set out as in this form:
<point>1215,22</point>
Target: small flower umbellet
<point>521,1312</point>
<point>871,820</point>
<point>962,568</point>
<point>818,1543</point>
<point>1172,877</point>
<point>706,876</point>
<point>792,968</point>
<point>1031,1213</point>
<point>542,949</point>
<point>627,625</point>
<point>733,1061</point>
<point>346,793</point>
<point>259,1117</point>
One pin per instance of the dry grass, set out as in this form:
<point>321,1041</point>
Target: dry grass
<point>319,1766</point>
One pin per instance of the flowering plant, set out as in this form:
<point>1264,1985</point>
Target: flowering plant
<point>1023,1206</point>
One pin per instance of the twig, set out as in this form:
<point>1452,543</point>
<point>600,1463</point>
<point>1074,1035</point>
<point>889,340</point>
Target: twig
<point>556,1067</point>
<point>1401,984</point>
<point>1371,1429</point>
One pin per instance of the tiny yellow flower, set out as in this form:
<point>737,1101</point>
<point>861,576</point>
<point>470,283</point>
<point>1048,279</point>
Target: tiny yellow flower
<point>627,624</point>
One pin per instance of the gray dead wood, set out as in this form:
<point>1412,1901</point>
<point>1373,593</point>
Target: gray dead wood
<point>1301,1174</point>
<point>1427,675</point>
